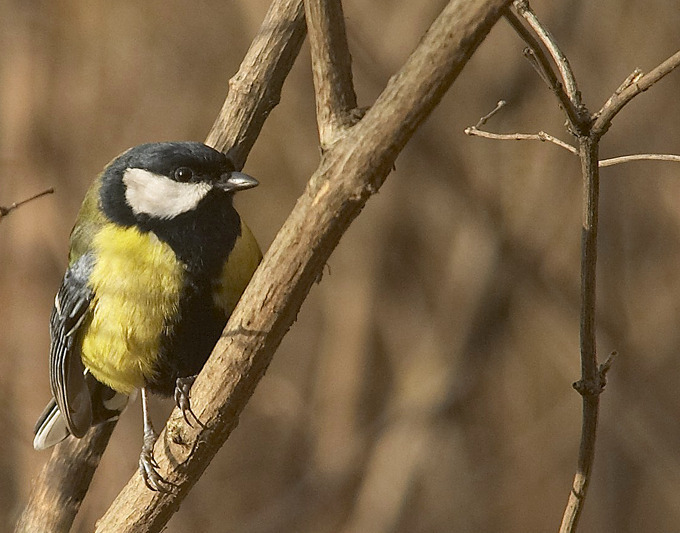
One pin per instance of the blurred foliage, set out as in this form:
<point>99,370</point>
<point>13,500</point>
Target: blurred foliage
<point>426,386</point>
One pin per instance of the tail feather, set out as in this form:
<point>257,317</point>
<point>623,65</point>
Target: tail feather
<point>50,428</point>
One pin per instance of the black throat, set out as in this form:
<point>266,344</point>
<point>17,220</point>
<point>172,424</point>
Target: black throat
<point>202,241</point>
<point>203,238</point>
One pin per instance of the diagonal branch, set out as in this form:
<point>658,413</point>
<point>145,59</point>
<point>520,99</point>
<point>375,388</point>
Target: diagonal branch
<point>542,64</point>
<point>63,482</point>
<point>617,102</point>
<point>256,88</point>
<point>524,9</point>
<point>254,91</point>
<point>4,211</point>
<point>350,172</point>
<point>331,68</point>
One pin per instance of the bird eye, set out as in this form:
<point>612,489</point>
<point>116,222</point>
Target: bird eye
<point>183,174</point>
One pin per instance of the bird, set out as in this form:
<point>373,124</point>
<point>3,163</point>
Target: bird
<point>158,259</point>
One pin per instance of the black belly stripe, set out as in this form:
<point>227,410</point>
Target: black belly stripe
<point>186,347</point>
<point>202,240</point>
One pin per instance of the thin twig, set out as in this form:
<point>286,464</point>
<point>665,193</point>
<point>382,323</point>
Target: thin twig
<point>540,136</point>
<point>500,105</point>
<point>632,78</point>
<point>546,37</point>
<point>331,68</point>
<point>618,101</point>
<point>638,157</point>
<point>7,210</point>
<point>534,52</point>
<point>606,366</point>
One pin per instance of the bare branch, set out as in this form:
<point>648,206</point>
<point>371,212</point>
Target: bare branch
<point>637,86</point>
<point>540,136</point>
<point>632,78</point>
<point>254,91</point>
<point>534,52</point>
<point>589,129</point>
<point>590,384</point>
<point>639,157</point>
<point>4,211</point>
<point>331,67</point>
<point>546,37</point>
<point>350,172</point>
<point>256,88</point>
<point>59,490</point>
<point>500,105</point>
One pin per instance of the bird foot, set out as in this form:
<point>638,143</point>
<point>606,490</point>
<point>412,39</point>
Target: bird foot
<point>148,466</point>
<point>182,391</point>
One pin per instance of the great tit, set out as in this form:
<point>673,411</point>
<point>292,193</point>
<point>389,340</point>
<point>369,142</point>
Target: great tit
<point>158,259</point>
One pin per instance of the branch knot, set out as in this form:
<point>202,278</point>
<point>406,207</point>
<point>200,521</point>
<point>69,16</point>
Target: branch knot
<point>595,387</point>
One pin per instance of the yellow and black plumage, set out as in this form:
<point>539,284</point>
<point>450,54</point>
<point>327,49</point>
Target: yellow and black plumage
<point>158,259</point>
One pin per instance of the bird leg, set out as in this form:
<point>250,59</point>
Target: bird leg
<point>182,390</point>
<point>148,466</point>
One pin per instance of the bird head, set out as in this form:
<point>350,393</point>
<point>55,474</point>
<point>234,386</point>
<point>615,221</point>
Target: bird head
<point>160,181</point>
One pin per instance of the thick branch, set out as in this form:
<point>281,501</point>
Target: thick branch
<point>331,68</point>
<point>254,91</point>
<point>59,490</point>
<point>256,88</point>
<point>350,172</point>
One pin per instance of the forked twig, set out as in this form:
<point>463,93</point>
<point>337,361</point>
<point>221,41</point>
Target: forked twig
<point>588,129</point>
<point>568,78</point>
<point>636,86</point>
<point>541,63</point>
<point>331,69</point>
<point>542,136</point>
<point>474,131</point>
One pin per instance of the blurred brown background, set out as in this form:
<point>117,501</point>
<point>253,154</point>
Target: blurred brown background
<point>426,386</point>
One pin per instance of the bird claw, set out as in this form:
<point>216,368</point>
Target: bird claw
<point>182,390</point>
<point>148,467</point>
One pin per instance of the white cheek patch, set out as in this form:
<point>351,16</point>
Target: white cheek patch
<point>159,196</point>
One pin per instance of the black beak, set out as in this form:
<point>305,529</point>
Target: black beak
<point>236,181</point>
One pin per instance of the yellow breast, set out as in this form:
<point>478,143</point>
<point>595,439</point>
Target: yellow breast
<point>136,282</point>
<point>239,268</point>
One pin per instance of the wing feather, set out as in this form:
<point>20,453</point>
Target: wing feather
<point>67,372</point>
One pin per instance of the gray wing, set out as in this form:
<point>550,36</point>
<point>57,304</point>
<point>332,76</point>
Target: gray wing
<point>67,372</point>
